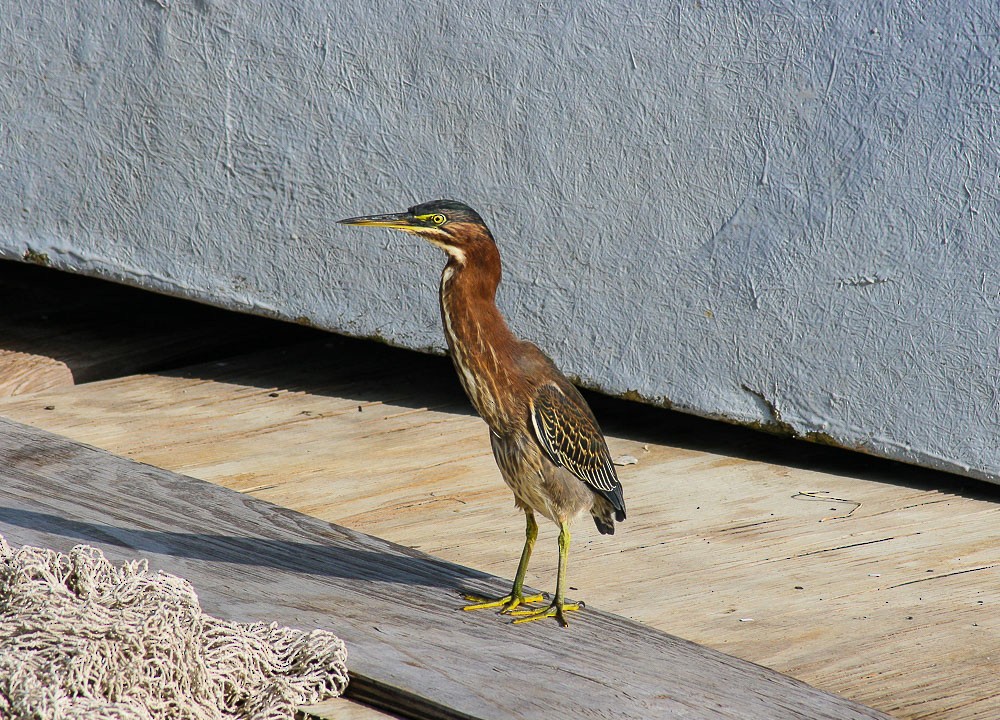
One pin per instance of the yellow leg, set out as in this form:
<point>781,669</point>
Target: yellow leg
<point>559,605</point>
<point>516,596</point>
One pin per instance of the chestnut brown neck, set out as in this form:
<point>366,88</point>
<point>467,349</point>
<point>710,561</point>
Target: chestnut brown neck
<point>478,337</point>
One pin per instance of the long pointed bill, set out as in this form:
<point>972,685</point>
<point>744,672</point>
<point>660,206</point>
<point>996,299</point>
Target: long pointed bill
<point>396,221</point>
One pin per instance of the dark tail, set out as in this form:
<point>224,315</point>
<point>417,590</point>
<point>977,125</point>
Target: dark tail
<point>608,509</point>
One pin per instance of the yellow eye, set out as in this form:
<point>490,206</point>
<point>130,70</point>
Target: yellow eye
<point>438,219</point>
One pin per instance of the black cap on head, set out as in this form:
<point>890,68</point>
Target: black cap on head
<point>455,211</point>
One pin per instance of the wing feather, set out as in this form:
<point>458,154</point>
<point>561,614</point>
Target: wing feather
<point>569,435</point>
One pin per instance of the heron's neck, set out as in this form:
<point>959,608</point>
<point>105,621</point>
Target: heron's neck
<point>478,337</point>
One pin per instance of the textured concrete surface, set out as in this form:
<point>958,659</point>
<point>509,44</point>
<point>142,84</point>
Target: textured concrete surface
<point>783,214</point>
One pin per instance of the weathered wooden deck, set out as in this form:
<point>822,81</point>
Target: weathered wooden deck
<point>873,580</point>
<point>394,608</point>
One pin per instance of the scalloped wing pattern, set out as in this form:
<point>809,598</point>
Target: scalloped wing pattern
<point>570,437</point>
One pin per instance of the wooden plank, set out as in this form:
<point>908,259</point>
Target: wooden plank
<point>396,608</point>
<point>57,329</point>
<point>22,373</point>
<point>719,546</point>
<point>343,708</point>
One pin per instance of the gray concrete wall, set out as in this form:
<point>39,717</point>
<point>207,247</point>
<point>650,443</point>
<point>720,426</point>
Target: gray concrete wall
<point>778,213</point>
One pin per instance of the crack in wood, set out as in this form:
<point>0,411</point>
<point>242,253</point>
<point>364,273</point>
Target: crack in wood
<point>843,547</point>
<point>944,575</point>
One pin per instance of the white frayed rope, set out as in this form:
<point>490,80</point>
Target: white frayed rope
<point>82,639</point>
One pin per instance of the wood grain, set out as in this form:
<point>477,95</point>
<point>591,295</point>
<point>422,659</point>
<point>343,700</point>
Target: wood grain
<point>22,373</point>
<point>720,546</point>
<point>396,608</point>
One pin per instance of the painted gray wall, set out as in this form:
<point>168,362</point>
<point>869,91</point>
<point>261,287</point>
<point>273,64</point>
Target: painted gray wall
<point>768,212</point>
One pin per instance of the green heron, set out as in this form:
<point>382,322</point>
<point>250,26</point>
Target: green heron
<point>546,441</point>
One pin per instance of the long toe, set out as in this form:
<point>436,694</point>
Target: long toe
<point>555,610</point>
<point>507,604</point>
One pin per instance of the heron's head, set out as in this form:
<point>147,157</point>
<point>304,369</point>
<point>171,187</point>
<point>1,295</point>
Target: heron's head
<point>451,225</point>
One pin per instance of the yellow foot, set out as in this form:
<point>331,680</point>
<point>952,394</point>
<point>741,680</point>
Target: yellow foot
<point>507,603</point>
<point>555,610</point>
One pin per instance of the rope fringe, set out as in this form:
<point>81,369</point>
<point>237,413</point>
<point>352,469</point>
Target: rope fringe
<point>83,639</point>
